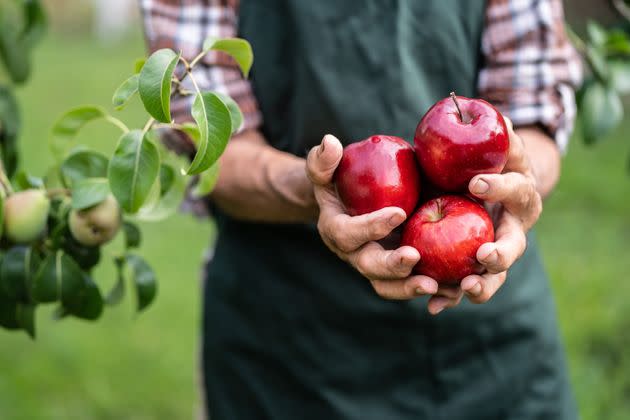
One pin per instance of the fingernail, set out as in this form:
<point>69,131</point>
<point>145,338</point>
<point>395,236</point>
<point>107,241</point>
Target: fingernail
<point>438,311</point>
<point>419,291</point>
<point>395,220</point>
<point>480,187</point>
<point>475,290</point>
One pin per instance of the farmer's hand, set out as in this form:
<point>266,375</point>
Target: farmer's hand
<point>353,239</point>
<point>515,205</point>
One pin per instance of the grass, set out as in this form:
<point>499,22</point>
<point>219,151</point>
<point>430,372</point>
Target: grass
<point>143,367</point>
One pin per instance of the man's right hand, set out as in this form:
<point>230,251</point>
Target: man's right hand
<point>353,239</point>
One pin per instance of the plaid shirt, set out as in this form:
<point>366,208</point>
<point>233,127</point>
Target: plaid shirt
<point>530,68</point>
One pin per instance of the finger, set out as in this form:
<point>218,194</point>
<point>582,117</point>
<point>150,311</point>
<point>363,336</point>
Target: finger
<point>374,262</point>
<point>438,303</point>
<point>322,160</point>
<point>404,289</point>
<point>518,159</point>
<point>515,191</point>
<point>510,244</point>
<point>451,292</point>
<point>509,124</point>
<point>349,233</point>
<point>479,289</point>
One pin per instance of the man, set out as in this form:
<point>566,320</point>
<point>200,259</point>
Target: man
<point>293,330</point>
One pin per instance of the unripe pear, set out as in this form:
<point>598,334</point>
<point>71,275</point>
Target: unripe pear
<point>96,225</point>
<point>25,215</point>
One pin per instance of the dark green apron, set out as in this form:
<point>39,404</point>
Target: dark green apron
<point>290,331</point>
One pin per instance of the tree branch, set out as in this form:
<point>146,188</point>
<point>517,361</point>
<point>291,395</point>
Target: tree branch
<point>622,8</point>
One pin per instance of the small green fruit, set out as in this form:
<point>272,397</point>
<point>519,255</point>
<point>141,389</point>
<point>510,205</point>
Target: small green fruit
<point>96,225</point>
<point>25,215</point>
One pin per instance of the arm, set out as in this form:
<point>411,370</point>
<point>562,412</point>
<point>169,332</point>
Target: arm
<point>256,181</point>
<point>260,183</point>
<point>544,157</point>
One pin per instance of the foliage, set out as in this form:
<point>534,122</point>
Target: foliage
<point>146,181</point>
<point>606,52</point>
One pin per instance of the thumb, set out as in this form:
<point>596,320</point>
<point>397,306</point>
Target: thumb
<point>322,160</point>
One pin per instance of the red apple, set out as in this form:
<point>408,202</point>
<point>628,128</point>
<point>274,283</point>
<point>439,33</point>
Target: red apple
<point>380,171</point>
<point>447,232</point>
<point>459,138</point>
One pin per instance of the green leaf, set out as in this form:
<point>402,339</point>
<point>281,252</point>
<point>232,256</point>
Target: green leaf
<point>16,273</point>
<point>87,303</point>
<point>152,199</point>
<point>133,236</point>
<point>58,278</point>
<point>25,316</point>
<point>620,76</point>
<point>125,91</point>
<point>207,180</point>
<point>1,224</point>
<point>59,313</point>
<point>13,51</point>
<point>10,122</point>
<point>139,64</point>
<point>238,48</point>
<point>8,314</point>
<point>24,181</point>
<point>236,116</point>
<point>34,22</point>
<point>89,192</point>
<point>600,109</point>
<point>598,64</point>
<point>155,84</point>
<point>87,257</point>
<point>133,169</point>
<point>69,124</point>
<point>171,199</point>
<point>144,281</point>
<point>116,295</point>
<point>167,177</point>
<point>167,204</point>
<point>215,128</point>
<point>83,164</point>
<point>596,33</point>
<point>617,43</point>
<point>192,130</point>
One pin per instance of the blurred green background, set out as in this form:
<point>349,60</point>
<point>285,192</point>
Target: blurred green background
<point>144,367</point>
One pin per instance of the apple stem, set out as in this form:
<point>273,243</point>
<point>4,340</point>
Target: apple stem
<point>454,97</point>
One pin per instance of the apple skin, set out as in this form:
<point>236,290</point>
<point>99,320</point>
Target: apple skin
<point>451,151</point>
<point>447,232</point>
<point>378,172</point>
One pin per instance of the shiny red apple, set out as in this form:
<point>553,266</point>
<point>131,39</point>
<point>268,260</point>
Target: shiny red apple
<point>380,171</point>
<point>459,138</point>
<point>447,232</point>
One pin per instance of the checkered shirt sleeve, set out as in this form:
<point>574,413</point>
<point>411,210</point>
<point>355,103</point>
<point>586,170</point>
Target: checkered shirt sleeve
<point>531,70</point>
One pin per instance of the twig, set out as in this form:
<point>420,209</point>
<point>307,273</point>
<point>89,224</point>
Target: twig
<point>117,123</point>
<point>622,8</point>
